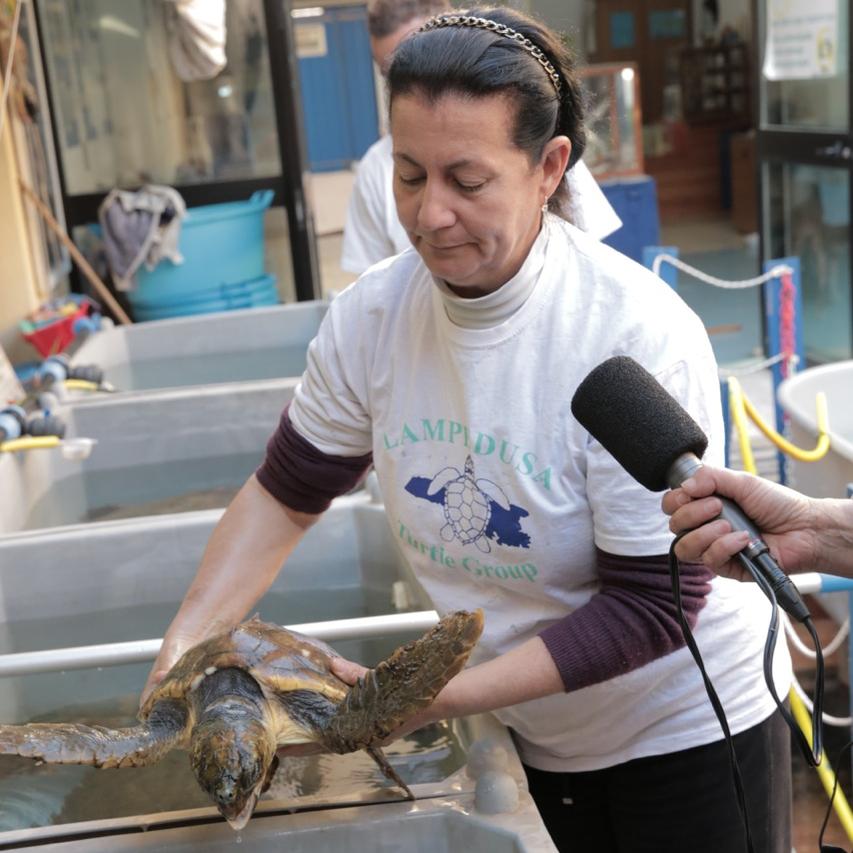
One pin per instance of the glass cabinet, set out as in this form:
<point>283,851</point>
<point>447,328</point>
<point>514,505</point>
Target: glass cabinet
<point>614,145</point>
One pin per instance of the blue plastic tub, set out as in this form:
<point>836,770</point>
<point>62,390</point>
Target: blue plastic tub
<point>222,244</point>
<point>206,308</point>
<point>222,292</point>
<point>254,295</point>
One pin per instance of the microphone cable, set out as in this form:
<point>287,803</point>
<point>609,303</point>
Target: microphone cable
<point>716,704</point>
<point>812,753</point>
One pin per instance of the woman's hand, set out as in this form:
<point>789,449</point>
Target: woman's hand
<point>350,672</point>
<point>248,546</point>
<point>786,519</point>
<point>524,673</point>
<point>175,644</point>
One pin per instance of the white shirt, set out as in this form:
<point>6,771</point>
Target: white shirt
<point>372,231</point>
<point>498,497</point>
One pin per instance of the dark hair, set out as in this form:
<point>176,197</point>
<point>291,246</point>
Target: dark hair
<point>477,62</point>
<point>387,16</point>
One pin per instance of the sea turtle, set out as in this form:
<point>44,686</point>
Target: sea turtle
<point>467,504</point>
<point>233,699</point>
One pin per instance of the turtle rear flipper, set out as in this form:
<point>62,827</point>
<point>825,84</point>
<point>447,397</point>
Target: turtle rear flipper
<point>403,684</point>
<point>385,766</point>
<point>75,743</point>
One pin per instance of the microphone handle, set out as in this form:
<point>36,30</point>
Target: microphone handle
<point>756,552</point>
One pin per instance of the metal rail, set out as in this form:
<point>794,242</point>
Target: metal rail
<point>141,651</point>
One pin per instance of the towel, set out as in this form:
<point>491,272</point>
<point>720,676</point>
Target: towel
<point>140,227</point>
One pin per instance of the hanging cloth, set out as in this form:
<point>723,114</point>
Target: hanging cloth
<point>141,227</point>
<point>196,38</point>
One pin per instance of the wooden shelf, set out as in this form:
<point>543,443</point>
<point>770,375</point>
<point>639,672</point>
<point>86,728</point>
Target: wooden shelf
<point>715,83</point>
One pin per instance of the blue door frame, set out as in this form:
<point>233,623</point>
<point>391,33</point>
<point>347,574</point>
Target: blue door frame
<point>338,90</point>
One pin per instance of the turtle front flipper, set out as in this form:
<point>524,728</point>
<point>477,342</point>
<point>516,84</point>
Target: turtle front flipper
<point>74,743</point>
<point>403,684</point>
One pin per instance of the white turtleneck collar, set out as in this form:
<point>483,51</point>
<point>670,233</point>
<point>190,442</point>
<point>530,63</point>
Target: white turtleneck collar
<point>486,312</point>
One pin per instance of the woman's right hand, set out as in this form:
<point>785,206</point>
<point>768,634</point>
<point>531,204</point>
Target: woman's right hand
<point>247,548</point>
<point>175,644</point>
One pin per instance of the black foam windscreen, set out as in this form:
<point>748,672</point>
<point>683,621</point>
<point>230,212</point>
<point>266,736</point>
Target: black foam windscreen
<point>636,420</point>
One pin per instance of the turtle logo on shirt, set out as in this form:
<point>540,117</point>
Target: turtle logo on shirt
<point>467,504</point>
<point>475,509</point>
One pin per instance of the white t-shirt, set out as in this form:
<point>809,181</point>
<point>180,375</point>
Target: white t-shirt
<point>372,231</point>
<point>390,373</point>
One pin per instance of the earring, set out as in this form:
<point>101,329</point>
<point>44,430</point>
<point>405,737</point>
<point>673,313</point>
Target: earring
<point>544,207</point>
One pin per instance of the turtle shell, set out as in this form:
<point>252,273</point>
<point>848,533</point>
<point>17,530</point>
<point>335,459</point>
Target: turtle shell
<point>466,509</point>
<point>278,659</point>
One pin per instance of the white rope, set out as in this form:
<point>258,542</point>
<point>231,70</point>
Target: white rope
<point>756,367</point>
<point>7,73</point>
<point>828,719</point>
<point>831,647</point>
<point>775,272</point>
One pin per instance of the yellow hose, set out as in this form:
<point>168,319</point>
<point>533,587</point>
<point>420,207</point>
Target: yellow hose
<point>81,385</point>
<point>738,405</point>
<point>821,448</point>
<point>824,769</point>
<point>30,442</point>
<point>738,412</point>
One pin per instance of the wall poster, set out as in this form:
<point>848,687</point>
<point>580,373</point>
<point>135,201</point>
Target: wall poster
<point>802,39</point>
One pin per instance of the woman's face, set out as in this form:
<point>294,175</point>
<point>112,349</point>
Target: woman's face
<point>469,199</point>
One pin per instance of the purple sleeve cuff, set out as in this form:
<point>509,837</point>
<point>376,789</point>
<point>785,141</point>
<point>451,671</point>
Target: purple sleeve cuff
<point>301,477</point>
<point>631,621</point>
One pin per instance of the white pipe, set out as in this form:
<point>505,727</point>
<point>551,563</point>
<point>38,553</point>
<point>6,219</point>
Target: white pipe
<point>140,651</point>
<point>807,582</point>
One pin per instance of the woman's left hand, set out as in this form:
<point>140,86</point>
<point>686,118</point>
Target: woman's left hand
<point>524,673</point>
<point>350,672</point>
<point>347,671</point>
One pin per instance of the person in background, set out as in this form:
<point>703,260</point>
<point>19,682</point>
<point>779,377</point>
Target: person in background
<point>372,231</point>
<point>450,368</point>
<point>804,534</point>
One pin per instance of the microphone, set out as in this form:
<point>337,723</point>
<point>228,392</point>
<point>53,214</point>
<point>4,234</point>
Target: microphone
<point>634,418</point>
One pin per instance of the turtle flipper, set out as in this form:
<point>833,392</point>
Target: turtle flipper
<point>385,766</point>
<point>441,479</point>
<point>403,684</point>
<point>74,743</point>
<point>495,493</point>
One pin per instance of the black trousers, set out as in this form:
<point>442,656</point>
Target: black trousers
<point>682,802</point>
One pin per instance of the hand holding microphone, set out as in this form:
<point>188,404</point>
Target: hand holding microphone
<point>654,439</point>
<point>791,524</point>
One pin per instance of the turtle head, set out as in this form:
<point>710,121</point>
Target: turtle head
<point>233,758</point>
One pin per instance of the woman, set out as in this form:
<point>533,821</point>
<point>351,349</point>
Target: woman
<point>372,231</point>
<point>451,368</point>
